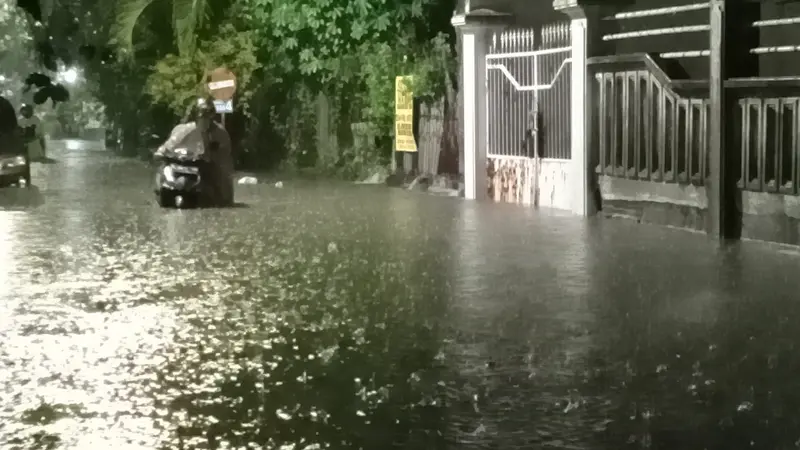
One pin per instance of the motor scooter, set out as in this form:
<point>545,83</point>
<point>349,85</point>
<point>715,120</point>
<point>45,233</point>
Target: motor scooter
<point>180,178</point>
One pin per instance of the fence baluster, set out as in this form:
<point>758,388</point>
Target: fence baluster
<point>645,127</point>
<point>794,171</point>
<point>689,141</point>
<point>744,106</point>
<point>638,108</point>
<point>762,144</point>
<point>778,149</point>
<point>625,113</point>
<point>602,115</point>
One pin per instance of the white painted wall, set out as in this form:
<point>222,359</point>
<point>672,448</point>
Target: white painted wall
<point>556,184</point>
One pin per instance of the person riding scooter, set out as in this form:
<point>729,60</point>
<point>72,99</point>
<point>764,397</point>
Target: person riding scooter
<point>32,134</point>
<point>203,136</point>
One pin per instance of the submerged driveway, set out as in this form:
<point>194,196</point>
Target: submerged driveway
<point>326,315</point>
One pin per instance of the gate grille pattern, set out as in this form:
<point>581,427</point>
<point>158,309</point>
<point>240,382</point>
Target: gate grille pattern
<point>529,70</point>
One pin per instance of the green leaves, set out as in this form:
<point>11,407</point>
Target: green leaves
<point>382,22</point>
<point>127,16</point>
<point>358,31</point>
<point>328,32</point>
<point>188,16</point>
<point>416,8</point>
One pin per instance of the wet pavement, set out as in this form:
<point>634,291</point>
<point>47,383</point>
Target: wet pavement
<point>326,315</point>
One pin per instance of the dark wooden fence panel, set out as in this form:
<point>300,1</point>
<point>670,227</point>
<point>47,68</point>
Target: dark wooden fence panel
<point>769,144</point>
<point>645,128</point>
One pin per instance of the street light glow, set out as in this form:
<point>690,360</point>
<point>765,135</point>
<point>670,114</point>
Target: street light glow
<point>70,76</point>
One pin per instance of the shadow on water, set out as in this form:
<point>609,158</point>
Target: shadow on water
<point>20,198</point>
<point>236,205</point>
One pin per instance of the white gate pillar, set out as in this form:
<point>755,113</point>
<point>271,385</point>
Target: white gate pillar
<point>582,165</point>
<point>475,29</point>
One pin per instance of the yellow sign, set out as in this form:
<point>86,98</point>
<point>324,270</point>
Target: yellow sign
<point>404,116</point>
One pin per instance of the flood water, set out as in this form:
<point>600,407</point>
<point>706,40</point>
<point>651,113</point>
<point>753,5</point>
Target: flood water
<point>331,316</point>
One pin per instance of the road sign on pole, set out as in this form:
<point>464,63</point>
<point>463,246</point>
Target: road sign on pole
<point>222,87</point>
<point>221,84</point>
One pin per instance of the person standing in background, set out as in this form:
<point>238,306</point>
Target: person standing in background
<point>32,133</point>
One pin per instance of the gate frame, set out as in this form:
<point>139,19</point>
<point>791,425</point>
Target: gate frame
<point>514,138</point>
<point>475,29</point>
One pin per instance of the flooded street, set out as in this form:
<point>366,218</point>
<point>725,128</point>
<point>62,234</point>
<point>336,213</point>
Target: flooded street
<point>325,315</point>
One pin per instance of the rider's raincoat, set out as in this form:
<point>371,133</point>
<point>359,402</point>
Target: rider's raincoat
<point>185,135</point>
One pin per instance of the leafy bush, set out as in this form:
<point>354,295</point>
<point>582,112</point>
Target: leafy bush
<point>178,80</point>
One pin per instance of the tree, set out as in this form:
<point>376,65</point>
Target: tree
<point>66,33</point>
<point>187,16</point>
<point>190,19</point>
<point>17,59</point>
<point>319,41</point>
<point>16,46</point>
<point>351,51</point>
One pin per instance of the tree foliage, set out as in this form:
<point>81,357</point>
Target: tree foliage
<point>21,72</point>
<point>188,17</point>
<point>351,51</point>
<point>284,52</point>
<point>16,43</point>
<point>322,41</point>
<point>428,66</point>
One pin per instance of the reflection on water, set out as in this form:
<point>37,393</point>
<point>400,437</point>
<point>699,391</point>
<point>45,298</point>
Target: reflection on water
<point>330,316</point>
<point>7,226</point>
